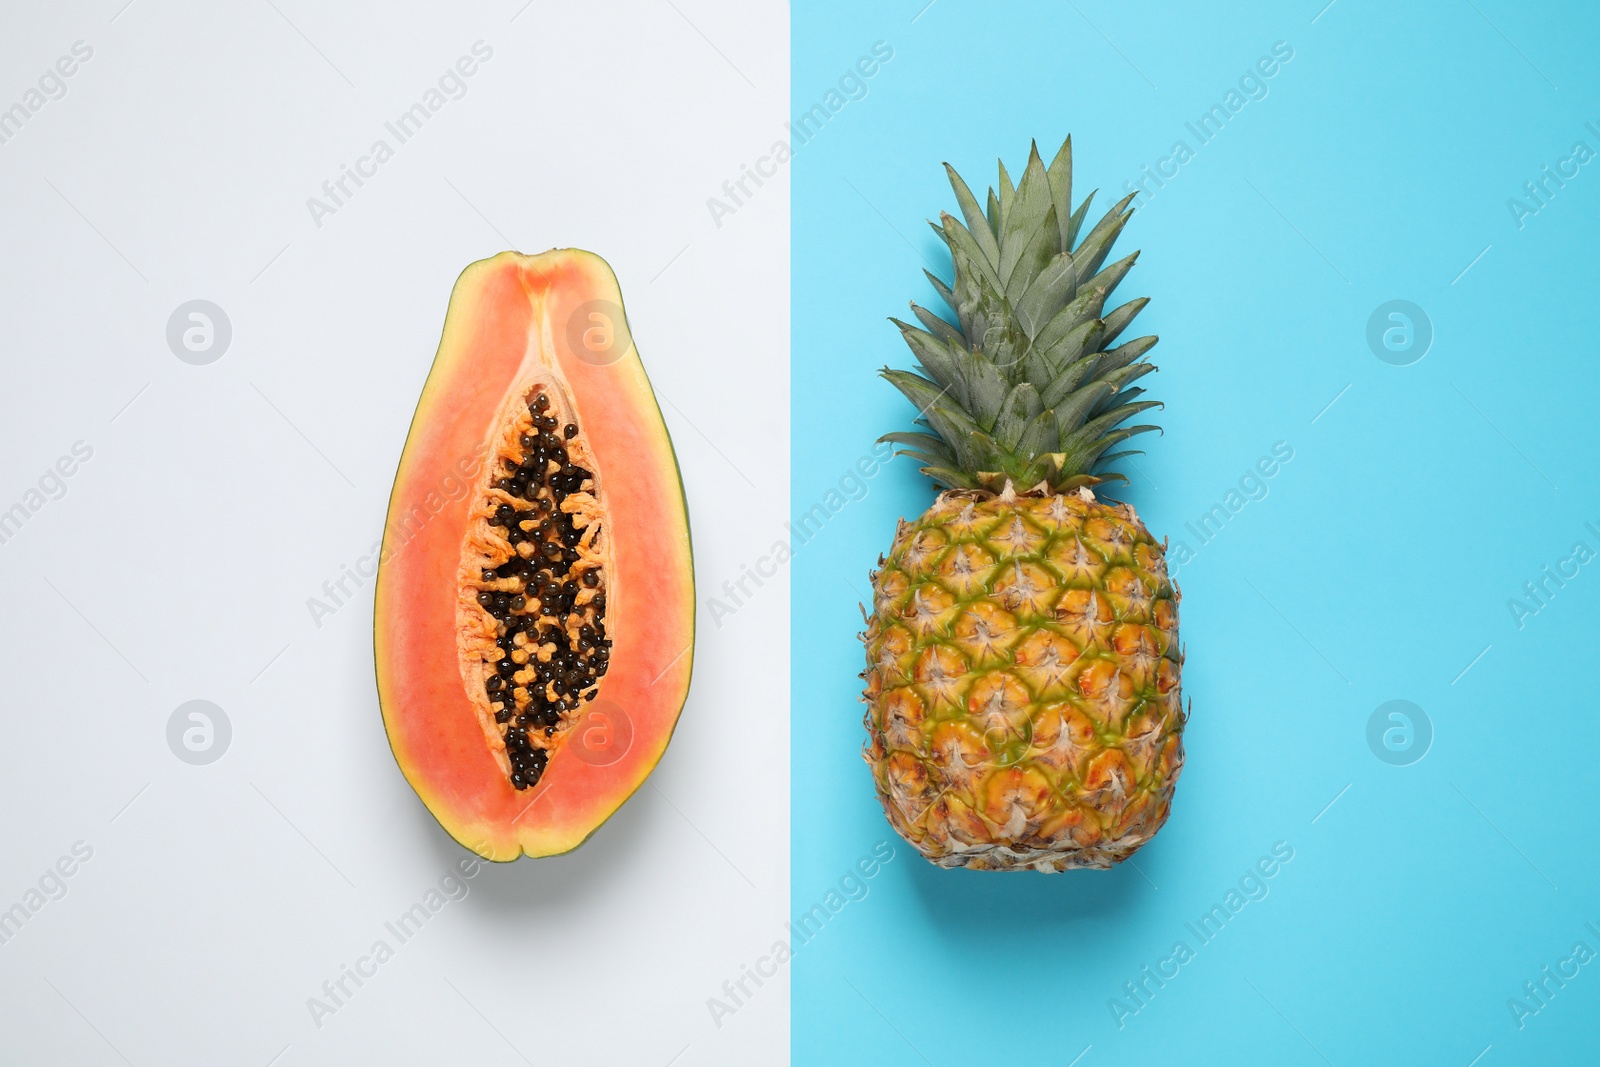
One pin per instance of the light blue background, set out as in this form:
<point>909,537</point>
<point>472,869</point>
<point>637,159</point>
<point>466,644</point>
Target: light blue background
<point>1379,566</point>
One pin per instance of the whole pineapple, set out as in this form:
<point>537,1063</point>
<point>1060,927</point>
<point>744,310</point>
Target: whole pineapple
<point>1022,653</point>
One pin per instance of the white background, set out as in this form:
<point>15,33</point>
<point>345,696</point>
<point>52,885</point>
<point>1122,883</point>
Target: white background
<point>219,498</point>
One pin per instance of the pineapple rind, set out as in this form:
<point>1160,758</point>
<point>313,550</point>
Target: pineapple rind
<point>1023,682</point>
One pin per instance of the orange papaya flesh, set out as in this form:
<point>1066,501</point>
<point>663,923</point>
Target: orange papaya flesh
<point>534,617</point>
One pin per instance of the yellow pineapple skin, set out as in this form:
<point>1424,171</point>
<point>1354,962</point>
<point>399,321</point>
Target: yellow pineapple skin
<point>1023,682</point>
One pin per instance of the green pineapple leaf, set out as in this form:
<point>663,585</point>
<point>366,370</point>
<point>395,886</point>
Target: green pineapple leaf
<point>1060,175</point>
<point>1025,387</point>
<point>937,326</point>
<point>1050,291</point>
<point>977,225</point>
<point>1076,222</point>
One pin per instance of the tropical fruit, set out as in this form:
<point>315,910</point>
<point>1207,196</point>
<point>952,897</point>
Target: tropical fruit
<point>1023,665</point>
<point>534,623</point>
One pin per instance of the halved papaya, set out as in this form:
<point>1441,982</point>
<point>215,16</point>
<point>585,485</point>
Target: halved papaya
<point>534,625</point>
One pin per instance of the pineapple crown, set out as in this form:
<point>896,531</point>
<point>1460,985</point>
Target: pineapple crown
<point>1026,390</point>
